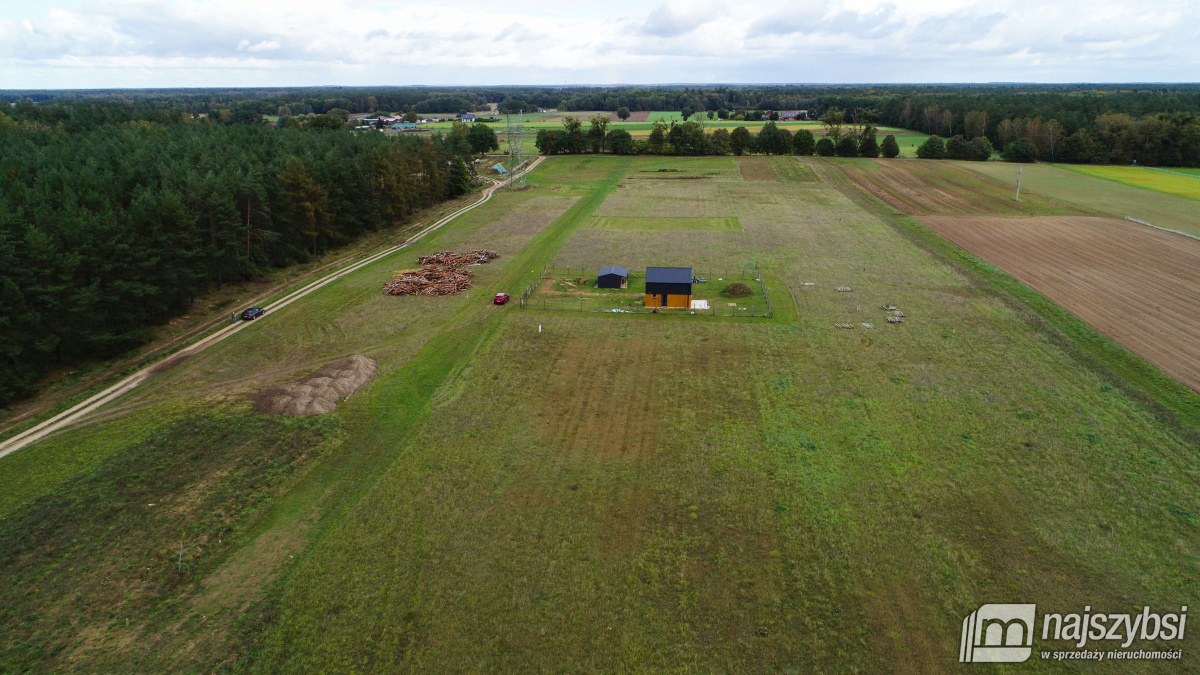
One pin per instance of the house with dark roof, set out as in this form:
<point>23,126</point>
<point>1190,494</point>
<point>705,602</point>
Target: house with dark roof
<point>669,287</point>
<point>613,277</point>
<point>468,117</point>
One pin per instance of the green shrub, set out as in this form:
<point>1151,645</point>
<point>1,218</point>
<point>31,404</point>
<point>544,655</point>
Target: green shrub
<point>737,290</point>
<point>1020,150</point>
<point>932,148</point>
<point>890,148</point>
<point>847,147</point>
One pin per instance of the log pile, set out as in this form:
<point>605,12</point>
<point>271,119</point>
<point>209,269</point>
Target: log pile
<point>440,274</point>
<point>452,259</point>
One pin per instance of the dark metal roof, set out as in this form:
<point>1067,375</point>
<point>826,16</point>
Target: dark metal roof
<point>613,269</point>
<point>668,275</point>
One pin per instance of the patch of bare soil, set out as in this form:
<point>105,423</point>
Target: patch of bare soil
<point>548,289</point>
<point>1135,284</point>
<point>320,393</point>
<point>641,116</point>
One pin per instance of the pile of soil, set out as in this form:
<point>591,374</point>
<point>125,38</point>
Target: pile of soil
<point>319,393</point>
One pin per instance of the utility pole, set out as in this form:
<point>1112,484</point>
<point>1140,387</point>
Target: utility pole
<point>1018,197</point>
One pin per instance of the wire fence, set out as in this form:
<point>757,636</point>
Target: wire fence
<point>577,295</point>
<point>532,288</point>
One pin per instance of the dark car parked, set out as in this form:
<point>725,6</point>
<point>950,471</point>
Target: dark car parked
<point>252,313</point>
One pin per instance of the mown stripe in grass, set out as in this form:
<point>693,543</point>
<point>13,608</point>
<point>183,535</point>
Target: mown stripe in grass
<point>731,224</point>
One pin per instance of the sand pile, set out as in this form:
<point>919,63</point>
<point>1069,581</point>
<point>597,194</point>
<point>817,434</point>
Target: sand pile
<point>319,393</point>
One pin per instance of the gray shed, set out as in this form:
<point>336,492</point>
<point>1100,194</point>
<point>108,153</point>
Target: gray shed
<point>613,277</point>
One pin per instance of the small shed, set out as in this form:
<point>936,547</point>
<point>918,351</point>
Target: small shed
<point>613,277</point>
<point>669,287</point>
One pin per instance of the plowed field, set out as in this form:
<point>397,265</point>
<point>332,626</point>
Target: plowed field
<point>927,187</point>
<point>1135,284</point>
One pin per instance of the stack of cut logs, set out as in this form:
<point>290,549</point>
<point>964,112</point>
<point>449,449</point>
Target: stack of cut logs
<point>452,259</point>
<point>440,274</point>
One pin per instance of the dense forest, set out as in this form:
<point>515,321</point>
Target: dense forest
<point>109,224</point>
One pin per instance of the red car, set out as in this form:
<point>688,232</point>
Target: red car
<point>500,298</point>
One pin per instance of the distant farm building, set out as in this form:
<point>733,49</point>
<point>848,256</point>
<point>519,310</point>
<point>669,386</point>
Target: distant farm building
<point>613,277</point>
<point>468,117</point>
<point>405,126</point>
<point>669,287</point>
<point>789,115</point>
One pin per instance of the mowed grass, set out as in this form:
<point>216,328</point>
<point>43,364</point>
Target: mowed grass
<point>1143,177</point>
<point>662,223</point>
<point>1095,194</point>
<point>616,492</point>
<point>546,491</point>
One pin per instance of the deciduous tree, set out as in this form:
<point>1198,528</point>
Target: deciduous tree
<point>932,148</point>
<point>803,142</point>
<point>739,140</point>
<point>889,148</point>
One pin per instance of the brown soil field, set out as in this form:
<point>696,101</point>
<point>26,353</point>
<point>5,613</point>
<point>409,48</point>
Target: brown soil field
<point>924,187</point>
<point>1135,284</point>
<point>643,116</point>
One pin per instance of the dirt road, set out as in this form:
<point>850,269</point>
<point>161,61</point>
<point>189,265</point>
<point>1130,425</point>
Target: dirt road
<point>82,409</point>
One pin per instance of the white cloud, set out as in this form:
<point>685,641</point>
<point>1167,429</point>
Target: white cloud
<point>673,18</point>
<point>294,42</point>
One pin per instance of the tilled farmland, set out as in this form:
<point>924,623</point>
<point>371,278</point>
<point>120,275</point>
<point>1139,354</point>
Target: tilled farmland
<point>1135,284</point>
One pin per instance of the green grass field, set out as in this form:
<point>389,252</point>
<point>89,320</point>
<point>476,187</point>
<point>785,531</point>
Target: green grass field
<point>1115,199</point>
<point>659,224</point>
<point>529,490</point>
<point>1143,177</point>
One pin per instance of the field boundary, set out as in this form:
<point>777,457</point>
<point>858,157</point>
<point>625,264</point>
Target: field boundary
<point>1177,173</point>
<point>1164,229</point>
<point>1171,401</point>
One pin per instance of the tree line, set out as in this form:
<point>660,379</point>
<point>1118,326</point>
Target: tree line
<point>1149,124</point>
<point>855,139</point>
<point>110,225</point>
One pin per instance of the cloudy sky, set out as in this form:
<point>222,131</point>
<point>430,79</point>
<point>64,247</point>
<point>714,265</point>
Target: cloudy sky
<point>188,43</point>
